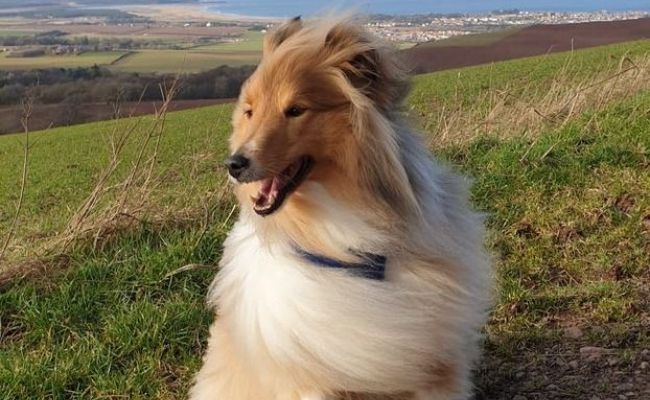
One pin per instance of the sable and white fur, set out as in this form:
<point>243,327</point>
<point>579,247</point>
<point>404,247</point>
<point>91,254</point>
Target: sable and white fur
<point>289,330</point>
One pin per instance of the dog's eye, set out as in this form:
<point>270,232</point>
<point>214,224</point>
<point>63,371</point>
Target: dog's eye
<point>248,113</point>
<point>294,111</point>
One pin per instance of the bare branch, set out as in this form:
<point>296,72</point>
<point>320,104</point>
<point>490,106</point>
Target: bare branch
<point>27,104</point>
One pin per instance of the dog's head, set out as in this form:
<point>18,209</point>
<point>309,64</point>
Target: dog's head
<point>317,108</point>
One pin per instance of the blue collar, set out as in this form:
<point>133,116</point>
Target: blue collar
<point>374,266</point>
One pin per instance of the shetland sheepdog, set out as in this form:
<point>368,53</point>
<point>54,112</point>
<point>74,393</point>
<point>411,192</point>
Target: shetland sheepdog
<point>356,267</point>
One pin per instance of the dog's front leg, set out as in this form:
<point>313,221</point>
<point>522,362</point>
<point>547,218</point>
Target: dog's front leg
<point>223,377</point>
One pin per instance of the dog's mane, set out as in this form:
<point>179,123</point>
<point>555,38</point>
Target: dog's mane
<point>366,70</point>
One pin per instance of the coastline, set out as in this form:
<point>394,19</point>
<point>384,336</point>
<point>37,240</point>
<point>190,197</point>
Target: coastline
<point>190,12</point>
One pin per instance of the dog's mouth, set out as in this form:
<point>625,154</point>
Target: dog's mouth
<point>275,189</point>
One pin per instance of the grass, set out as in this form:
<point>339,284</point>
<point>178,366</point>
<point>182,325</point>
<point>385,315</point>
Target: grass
<point>246,51</point>
<point>4,33</point>
<point>122,328</point>
<point>567,205</point>
<point>184,61</point>
<point>568,212</point>
<point>66,61</point>
<point>192,59</point>
<point>251,41</point>
<point>88,150</point>
<point>520,97</point>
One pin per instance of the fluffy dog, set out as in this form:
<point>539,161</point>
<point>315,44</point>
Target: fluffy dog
<point>356,267</point>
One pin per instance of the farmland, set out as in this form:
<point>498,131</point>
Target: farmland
<point>84,60</point>
<point>462,51</point>
<point>245,50</point>
<point>95,305</point>
<point>45,116</point>
<point>476,39</point>
<point>169,49</point>
<point>183,61</point>
<point>249,41</point>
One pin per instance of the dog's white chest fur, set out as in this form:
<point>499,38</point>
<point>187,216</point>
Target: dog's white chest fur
<point>325,325</point>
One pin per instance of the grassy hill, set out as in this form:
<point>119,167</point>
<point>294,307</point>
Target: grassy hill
<point>120,226</point>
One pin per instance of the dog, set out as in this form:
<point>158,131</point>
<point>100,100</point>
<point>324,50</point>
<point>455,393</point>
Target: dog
<point>356,267</point>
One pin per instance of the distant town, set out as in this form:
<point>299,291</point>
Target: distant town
<point>424,28</point>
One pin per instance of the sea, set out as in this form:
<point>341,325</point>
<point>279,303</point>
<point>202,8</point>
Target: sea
<point>288,8</point>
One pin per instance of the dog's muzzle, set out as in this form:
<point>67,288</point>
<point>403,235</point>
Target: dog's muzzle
<point>237,164</point>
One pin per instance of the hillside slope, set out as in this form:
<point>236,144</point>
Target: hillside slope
<point>119,312</point>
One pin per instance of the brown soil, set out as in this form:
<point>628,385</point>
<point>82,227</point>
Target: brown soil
<point>51,115</point>
<point>568,370</point>
<point>530,41</point>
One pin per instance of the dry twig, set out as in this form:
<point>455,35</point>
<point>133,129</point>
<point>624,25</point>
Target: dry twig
<point>27,104</point>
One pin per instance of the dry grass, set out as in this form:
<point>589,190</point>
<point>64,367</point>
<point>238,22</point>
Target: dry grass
<point>118,202</point>
<point>130,197</point>
<point>27,105</point>
<point>515,110</point>
<point>112,209</point>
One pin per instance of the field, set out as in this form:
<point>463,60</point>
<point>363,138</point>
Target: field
<point>250,41</point>
<point>13,32</point>
<point>120,226</point>
<point>477,39</point>
<point>528,41</point>
<point>83,60</point>
<point>244,48</point>
<point>136,31</point>
<point>183,50</point>
<point>160,61</point>
<point>183,61</point>
<point>48,115</point>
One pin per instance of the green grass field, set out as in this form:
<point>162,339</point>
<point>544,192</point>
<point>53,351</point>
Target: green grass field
<point>246,51</point>
<point>184,61</point>
<point>14,33</point>
<point>68,61</point>
<point>251,41</point>
<point>192,58</point>
<point>566,194</point>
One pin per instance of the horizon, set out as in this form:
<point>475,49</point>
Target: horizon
<point>287,8</point>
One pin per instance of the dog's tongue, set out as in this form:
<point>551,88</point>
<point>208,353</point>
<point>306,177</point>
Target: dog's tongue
<point>268,192</point>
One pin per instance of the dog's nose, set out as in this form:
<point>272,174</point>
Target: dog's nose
<point>237,164</point>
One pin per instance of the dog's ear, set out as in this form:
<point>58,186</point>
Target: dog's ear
<point>368,65</point>
<point>274,38</point>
